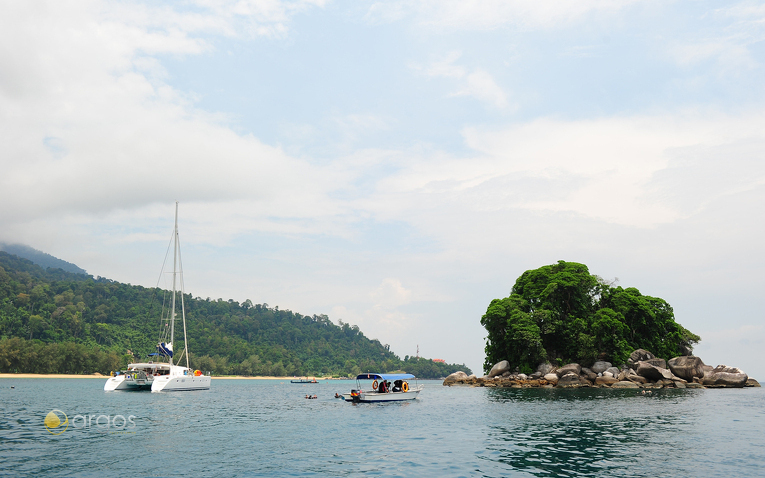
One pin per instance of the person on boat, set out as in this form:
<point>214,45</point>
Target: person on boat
<point>397,385</point>
<point>383,388</point>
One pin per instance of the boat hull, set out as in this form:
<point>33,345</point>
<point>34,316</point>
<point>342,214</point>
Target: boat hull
<point>180,379</point>
<point>122,383</point>
<point>138,376</point>
<point>375,397</point>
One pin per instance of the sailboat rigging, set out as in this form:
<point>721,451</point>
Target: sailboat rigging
<point>165,376</point>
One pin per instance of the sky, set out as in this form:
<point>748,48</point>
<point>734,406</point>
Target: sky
<point>397,165</point>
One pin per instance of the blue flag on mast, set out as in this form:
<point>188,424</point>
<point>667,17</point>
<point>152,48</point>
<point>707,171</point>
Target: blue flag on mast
<point>165,349</point>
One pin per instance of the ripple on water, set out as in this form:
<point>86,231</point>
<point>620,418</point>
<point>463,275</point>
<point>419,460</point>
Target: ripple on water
<point>262,428</point>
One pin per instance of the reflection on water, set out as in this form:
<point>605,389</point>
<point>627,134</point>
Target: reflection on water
<point>596,432</point>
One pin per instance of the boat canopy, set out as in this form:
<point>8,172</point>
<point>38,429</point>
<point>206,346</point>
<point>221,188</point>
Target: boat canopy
<point>385,376</point>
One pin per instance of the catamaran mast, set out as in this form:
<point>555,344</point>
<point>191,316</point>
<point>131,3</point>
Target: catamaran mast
<point>183,313</point>
<point>175,259</point>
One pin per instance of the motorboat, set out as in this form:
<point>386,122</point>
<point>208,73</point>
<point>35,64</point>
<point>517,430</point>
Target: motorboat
<point>384,387</point>
<point>304,380</point>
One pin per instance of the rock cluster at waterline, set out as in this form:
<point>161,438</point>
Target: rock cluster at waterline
<point>642,370</point>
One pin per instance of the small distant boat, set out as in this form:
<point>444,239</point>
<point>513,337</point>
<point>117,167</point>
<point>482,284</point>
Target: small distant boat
<point>385,387</point>
<point>304,380</point>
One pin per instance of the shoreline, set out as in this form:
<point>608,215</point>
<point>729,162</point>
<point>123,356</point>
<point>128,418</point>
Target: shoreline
<point>223,377</point>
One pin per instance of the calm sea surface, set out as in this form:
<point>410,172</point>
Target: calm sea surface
<point>267,428</point>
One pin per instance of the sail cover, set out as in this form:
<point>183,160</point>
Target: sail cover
<point>165,349</point>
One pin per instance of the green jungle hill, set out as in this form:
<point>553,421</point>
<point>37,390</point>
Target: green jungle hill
<point>562,314</point>
<point>53,321</point>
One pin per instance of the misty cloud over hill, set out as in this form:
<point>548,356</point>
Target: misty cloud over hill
<point>40,258</point>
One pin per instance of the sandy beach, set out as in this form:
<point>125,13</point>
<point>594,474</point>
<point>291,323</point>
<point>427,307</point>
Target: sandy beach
<point>239,377</point>
<point>51,375</point>
<point>98,375</point>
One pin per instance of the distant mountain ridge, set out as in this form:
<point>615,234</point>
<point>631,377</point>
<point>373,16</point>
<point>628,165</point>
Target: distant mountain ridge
<point>40,258</point>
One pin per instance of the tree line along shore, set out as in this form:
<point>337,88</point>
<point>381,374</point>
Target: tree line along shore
<point>54,321</point>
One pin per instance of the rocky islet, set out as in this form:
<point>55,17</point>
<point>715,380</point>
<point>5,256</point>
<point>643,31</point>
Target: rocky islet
<point>642,370</point>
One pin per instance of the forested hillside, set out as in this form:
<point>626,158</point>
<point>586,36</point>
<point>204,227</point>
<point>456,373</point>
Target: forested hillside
<point>53,321</point>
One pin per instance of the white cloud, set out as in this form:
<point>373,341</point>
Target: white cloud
<point>391,294</point>
<point>446,67</point>
<point>268,18</point>
<point>489,14</point>
<point>481,86</point>
<point>90,133</point>
<point>604,169</point>
<point>732,46</point>
<point>730,55</point>
<point>477,83</point>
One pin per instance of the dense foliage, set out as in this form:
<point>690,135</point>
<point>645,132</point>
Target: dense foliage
<point>53,321</point>
<point>561,313</point>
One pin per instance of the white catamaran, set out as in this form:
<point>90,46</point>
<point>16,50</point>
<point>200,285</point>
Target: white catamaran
<point>164,376</point>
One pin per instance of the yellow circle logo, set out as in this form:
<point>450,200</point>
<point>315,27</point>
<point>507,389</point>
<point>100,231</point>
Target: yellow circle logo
<point>54,423</point>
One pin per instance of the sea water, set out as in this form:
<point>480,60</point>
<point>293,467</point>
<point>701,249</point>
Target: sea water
<point>268,428</point>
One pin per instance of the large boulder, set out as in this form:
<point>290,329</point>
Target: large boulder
<point>613,371</point>
<point>571,380</point>
<point>545,367</point>
<point>625,384</point>
<point>605,380</point>
<point>658,362</point>
<point>499,368</point>
<point>551,377</point>
<point>723,376</point>
<point>600,367</point>
<point>652,372</point>
<point>639,355</point>
<point>750,382</point>
<point>569,368</point>
<point>687,367</point>
<point>456,377</point>
<point>589,374</point>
